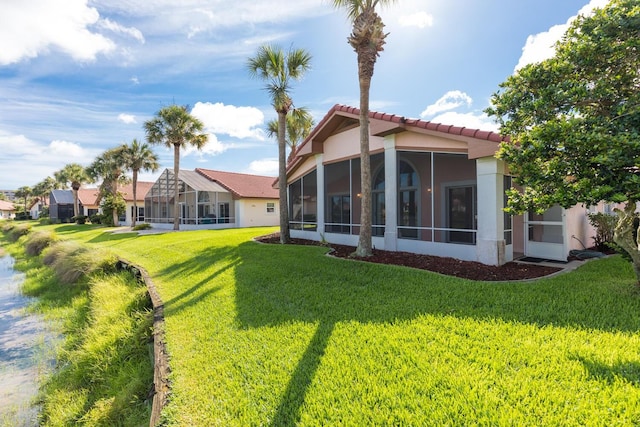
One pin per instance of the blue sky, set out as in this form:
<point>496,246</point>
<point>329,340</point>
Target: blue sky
<point>78,76</point>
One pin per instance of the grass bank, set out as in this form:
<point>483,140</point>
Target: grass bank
<point>103,370</point>
<point>283,335</point>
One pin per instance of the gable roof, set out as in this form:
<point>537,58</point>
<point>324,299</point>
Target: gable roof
<point>243,185</point>
<point>342,117</point>
<point>6,206</point>
<point>62,197</point>
<point>88,196</point>
<point>142,188</point>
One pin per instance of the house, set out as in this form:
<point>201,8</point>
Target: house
<point>36,207</point>
<point>436,189</point>
<point>61,206</point>
<point>212,199</point>
<point>89,200</point>
<point>7,210</point>
<point>142,187</point>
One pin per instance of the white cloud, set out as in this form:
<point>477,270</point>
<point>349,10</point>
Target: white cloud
<point>449,101</point>
<point>267,167</point>
<point>66,149</point>
<point>127,118</point>
<point>30,28</point>
<point>541,46</point>
<point>211,148</point>
<point>419,19</point>
<point>108,24</point>
<point>468,120</point>
<point>238,122</point>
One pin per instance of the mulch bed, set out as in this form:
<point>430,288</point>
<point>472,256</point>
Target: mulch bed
<point>443,265</point>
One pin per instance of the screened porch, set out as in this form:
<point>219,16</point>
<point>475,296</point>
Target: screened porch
<point>200,200</point>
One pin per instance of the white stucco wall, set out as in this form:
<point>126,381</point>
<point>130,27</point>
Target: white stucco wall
<point>253,213</point>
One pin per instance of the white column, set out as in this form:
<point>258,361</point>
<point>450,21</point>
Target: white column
<point>490,243</point>
<point>320,194</point>
<point>390,193</point>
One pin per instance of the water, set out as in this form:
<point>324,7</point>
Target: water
<point>21,338</point>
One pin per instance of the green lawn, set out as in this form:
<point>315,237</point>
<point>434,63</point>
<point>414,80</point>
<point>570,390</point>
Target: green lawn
<point>283,335</point>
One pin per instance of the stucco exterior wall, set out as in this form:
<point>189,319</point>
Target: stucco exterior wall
<point>253,213</point>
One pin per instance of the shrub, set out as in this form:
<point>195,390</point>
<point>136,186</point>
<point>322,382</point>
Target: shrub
<point>37,242</point>
<point>8,226</point>
<point>95,219</point>
<point>142,226</point>
<point>605,225</point>
<point>71,261</point>
<point>80,219</point>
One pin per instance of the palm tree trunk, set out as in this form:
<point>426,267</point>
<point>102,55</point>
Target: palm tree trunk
<point>176,187</point>
<point>282,178</point>
<point>364,248</point>
<point>135,199</point>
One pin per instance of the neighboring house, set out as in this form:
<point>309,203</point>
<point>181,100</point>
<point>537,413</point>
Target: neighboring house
<point>213,199</point>
<point>89,199</point>
<point>36,207</point>
<point>61,206</point>
<point>142,188</point>
<point>7,210</point>
<point>436,189</point>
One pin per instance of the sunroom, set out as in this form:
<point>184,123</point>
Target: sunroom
<point>201,202</point>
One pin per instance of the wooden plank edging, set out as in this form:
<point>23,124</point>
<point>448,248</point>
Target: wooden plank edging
<point>161,370</point>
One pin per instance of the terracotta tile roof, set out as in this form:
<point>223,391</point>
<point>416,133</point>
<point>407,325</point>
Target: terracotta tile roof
<point>243,185</point>
<point>88,196</point>
<point>142,188</point>
<point>6,206</point>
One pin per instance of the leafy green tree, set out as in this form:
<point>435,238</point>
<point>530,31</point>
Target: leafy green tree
<point>139,157</point>
<point>574,120</point>
<point>367,39</point>
<point>279,69</point>
<point>299,125</point>
<point>24,193</point>
<point>110,168</point>
<point>44,188</point>
<point>174,127</point>
<point>75,175</point>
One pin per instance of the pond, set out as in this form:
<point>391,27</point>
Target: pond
<point>22,348</point>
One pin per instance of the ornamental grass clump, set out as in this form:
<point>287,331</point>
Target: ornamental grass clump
<point>39,241</point>
<point>15,231</point>
<point>70,261</point>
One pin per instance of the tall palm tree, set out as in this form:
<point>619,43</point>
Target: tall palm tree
<point>278,69</point>
<point>174,127</point>
<point>367,39</point>
<point>24,192</point>
<point>139,157</point>
<point>299,125</point>
<point>43,189</point>
<point>75,175</point>
<point>109,167</point>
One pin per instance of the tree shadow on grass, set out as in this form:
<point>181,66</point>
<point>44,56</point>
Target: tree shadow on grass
<point>227,257</point>
<point>279,284</point>
<point>627,371</point>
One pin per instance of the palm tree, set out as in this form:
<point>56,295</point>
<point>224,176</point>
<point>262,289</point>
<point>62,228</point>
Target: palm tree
<point>24,192</point>
<point>278,69</point>
<point>138,157</point>
<point>367,39</point>
<point>109,166</point>
<point>299,125</point>
<point>73,174</point>
<point>174,127</point>
<point>43,189</point>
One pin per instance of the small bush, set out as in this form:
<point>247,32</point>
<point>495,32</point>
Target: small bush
<point>8,226</point>
<point>44,220</point>
<point>142,226</point>
<point>605,225</point>
<point>38,241</point>
<point>95,219</point>
<point>71,261</point>
<point>80,219</point>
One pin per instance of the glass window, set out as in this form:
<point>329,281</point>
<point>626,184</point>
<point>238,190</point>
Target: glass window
<point>407,201</point>
<point>271,207</point>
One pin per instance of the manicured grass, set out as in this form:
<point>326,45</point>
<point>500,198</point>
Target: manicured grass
<point>103,370</point>
<point>283,335</point>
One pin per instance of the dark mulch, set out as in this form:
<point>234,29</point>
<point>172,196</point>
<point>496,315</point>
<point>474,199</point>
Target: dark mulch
<point>443,265</point>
